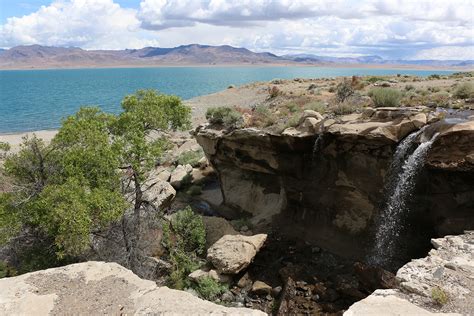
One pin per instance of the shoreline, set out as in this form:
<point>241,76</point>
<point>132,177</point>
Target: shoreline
<point>264,65</point>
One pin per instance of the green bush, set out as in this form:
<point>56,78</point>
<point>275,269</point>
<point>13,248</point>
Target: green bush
<point>385,97</point>
<point>191,157</point>
<point>344,90</point>
<point>225,116</point>
<point>434,77</point>
<point>439,296</point>
<point>184,238</point>
<point>210,289</point>
<point>409,87</point>
<point>464,91</point>
<point>4,148</point>
<point>189,230</point>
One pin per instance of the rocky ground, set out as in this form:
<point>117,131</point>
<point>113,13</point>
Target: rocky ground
<point>271,272</point>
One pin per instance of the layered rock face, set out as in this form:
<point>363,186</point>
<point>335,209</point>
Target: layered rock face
<point>93,288</point>
<point>324,180</point>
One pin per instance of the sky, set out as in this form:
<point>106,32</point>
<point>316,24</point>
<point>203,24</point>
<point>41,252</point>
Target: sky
<point>392,29</point>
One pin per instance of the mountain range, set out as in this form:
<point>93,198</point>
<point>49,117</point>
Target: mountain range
<point>37,56</point>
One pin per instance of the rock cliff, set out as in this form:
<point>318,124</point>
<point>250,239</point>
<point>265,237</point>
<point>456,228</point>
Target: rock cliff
<point>324,180</point>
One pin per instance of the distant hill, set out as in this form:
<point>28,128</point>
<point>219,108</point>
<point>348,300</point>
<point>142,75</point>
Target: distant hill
<point>376,60</point>
<point>37,56</point>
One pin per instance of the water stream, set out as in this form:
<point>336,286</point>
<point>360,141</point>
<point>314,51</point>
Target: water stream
<point>400,184</point>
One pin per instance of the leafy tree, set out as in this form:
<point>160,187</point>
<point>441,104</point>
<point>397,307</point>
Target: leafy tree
<point>71,189</point>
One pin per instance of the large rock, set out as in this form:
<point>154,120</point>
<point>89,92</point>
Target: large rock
<point>233,253</point>
<point>179,174</point>
<point>159,194</point>
<point>216,228</point>
<point>92,288</point>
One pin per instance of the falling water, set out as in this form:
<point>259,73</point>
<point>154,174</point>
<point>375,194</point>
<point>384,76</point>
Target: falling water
<point>317,145</point>
<point>400,185</point>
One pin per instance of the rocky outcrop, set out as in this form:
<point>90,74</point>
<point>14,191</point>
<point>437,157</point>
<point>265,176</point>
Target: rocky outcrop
<point>328,187</point>
<point>387,303</point>
<point>233,253</point>
<point>441,283</point>
<point>99,288</point>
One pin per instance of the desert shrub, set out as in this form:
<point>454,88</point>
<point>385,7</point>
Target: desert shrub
<point>374,79</point>
<point>191,157</point>
<point>346,107</point>
<point>441,98</point>
<point>274,92</point>
<point>225,116</point>
<point>332,89</point>
<point>385,97</point>
<point>210,289</point>
<point>464,90</point>
<point>439,296</point>
<point>344,90</point>
<point>292,107</point>
<point>315,106</point>
<point>434,89</point>
<point>409,87</point>
<point>184,237</point>
<point>422,92</point>
<point>4,148</point>
<point>263,117</point>
<point>434,77</point>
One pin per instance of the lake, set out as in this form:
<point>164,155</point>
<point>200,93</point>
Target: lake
<point>38,99</point>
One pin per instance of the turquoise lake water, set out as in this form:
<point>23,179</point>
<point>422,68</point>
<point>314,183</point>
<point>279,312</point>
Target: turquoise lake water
<point>38,99</point>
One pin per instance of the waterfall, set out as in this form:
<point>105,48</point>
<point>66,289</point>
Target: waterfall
<point>400,184</point>
<point>317,145</point>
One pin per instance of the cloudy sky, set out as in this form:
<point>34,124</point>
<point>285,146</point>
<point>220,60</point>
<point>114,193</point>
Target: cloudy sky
<point>409,29</point>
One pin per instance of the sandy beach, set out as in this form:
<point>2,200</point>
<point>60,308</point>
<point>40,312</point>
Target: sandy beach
<point>15,139</point>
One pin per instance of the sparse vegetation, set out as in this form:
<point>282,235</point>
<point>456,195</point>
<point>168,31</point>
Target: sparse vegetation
<point>210,289</point>
<point>226,116</point>
<point>439,296</point>
<point>464,90</point>
<point>385,97</point>
<point>317,106</point>
<point>344,90</point>
<point>191,157</point>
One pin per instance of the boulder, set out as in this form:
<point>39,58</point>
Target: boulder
<point>159,194</point>
<point>179,174</point>
<point>261,288</point>
<point>233,253</point>
<point>92,288</point>
<point>216,228</point>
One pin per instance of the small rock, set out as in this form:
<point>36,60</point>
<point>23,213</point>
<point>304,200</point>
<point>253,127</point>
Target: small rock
<point>227,296</point>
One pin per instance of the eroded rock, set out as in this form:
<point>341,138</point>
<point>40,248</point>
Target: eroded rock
<point>233,253</point>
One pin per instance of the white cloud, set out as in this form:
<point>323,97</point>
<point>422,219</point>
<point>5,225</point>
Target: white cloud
<point>391,28</point>
<point>84,23</point>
